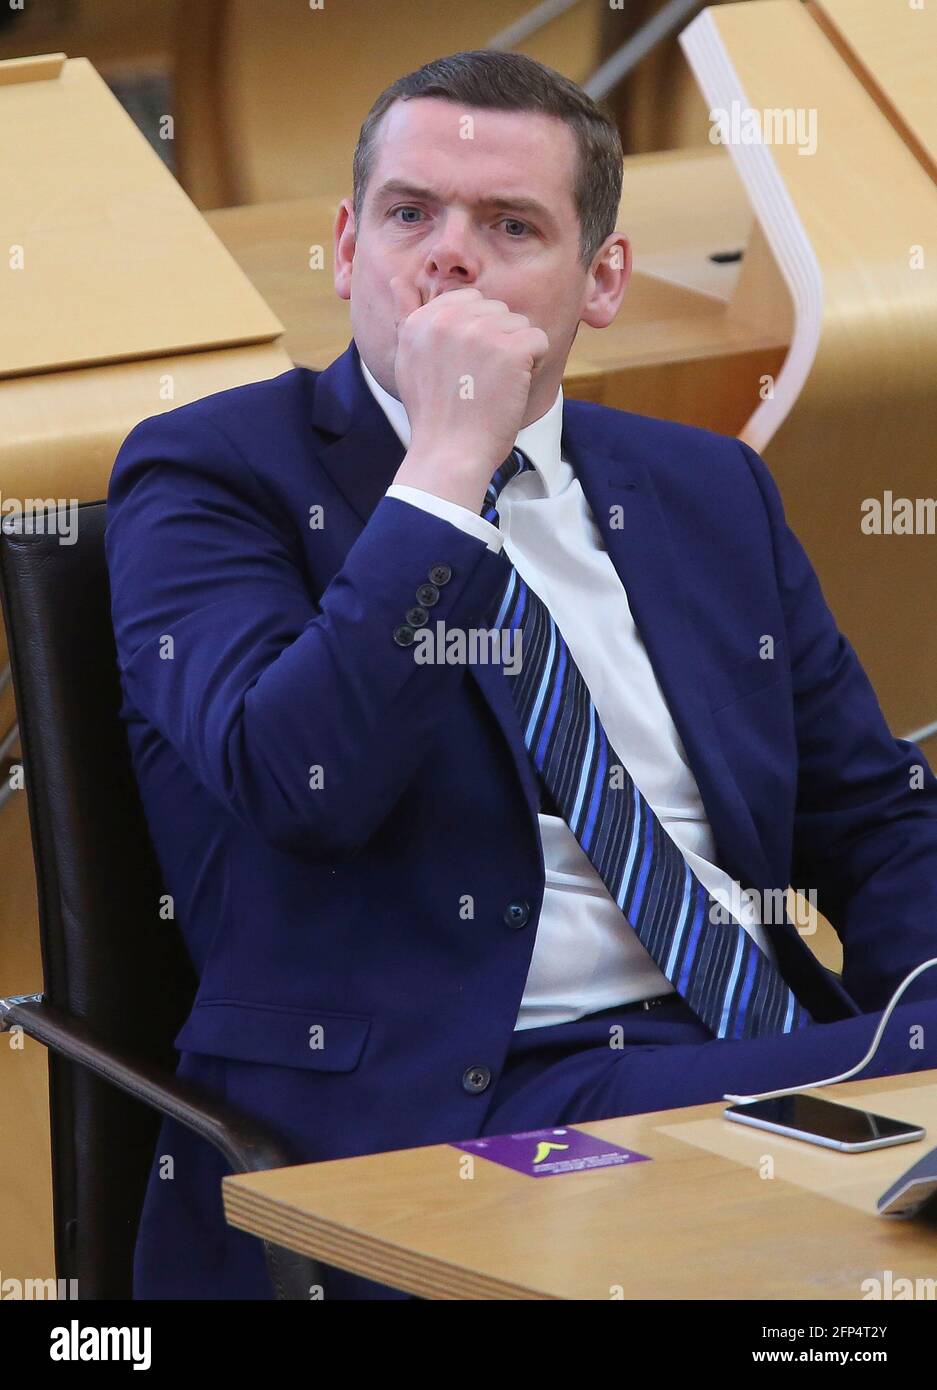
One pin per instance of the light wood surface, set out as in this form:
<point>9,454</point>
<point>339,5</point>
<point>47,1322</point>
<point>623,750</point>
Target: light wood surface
<point>701,1220</point>
<point>117,263</point>
<point>892,48</point>
<point>853,412</point>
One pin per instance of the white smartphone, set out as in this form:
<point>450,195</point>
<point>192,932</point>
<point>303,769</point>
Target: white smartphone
<point>822,1122</point>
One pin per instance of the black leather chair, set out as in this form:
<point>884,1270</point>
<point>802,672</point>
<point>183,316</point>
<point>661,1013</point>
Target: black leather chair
<point>117,980</point>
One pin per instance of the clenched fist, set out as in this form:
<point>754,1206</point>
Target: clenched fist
<point>464,368</point>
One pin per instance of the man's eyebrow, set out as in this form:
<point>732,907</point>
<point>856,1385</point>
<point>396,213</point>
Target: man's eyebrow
<point>400,188</point>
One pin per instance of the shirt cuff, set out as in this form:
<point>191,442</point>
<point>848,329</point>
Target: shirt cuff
<point>466,520</point>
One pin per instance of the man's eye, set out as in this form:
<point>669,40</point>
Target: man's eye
<point>407,208</point>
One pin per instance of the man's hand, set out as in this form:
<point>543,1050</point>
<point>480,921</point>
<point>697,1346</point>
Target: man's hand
<point>464,367</point>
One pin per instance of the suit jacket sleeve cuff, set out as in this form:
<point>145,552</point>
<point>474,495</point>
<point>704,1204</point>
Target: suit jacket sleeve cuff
<point>462,517</point>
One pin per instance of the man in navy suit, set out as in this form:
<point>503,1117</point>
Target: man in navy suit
<point>399,938</point>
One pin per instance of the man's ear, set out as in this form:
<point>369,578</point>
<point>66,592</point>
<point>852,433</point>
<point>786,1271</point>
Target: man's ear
<point>344,240</point>
<point>611,271</point>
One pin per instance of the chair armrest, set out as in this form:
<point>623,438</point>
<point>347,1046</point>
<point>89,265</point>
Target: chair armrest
<point>248,1146</point>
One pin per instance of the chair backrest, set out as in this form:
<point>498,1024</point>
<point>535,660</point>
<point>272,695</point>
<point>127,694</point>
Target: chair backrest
<point>108,956</point>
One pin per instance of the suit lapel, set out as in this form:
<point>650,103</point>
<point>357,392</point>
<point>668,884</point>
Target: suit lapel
<point>365,452</point>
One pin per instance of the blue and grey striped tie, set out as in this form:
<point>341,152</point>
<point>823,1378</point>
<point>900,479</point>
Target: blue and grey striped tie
<point>717,967</point>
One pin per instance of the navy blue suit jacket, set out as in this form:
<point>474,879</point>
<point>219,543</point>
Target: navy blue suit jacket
<point>344,992</point>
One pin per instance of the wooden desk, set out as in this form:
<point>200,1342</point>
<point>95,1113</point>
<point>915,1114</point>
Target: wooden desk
<point>699,1221</point>
<point>892,50</point>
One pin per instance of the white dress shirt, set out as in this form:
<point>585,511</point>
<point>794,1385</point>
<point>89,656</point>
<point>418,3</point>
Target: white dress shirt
<point>587,955</point>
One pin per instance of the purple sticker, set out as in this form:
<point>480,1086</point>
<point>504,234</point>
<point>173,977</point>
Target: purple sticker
<point>542,1153</point>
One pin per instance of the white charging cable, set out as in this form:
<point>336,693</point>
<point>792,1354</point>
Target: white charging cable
<point>831,1080</point>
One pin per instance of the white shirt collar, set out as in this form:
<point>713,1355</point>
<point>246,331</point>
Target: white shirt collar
<point>540,440</point>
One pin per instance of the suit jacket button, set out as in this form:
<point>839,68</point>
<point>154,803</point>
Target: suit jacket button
<point>517,914</point>
<point>417,616</point>
<point>476,1079</point>
<point>427,595</point>
<point>403,635</point>
<point>440,574</point>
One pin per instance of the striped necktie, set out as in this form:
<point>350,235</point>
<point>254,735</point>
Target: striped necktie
<point>717,967</point>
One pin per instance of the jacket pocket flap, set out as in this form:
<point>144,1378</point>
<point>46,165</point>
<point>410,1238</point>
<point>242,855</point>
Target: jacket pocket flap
<point>284,1035</point>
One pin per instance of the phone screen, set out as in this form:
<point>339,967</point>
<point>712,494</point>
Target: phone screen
<point>826,1119</point>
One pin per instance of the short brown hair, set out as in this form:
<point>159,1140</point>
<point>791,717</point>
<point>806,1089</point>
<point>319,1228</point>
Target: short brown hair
<point>514,82</point>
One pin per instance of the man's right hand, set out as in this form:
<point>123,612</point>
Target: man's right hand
<point>464,368</point>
